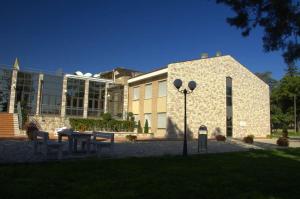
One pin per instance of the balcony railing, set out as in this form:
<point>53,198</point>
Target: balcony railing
<point>75,111</point>
<point>92,112</point>
<point>47,109</point>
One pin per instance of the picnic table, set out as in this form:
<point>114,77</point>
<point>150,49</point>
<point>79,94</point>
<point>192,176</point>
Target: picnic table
<point>74,137</point>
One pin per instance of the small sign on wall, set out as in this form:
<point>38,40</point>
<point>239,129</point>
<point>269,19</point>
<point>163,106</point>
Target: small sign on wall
<point>243,123</point>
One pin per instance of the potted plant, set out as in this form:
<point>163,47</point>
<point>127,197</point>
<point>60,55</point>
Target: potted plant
<point>30,128</point>
<point>220,138</point>
<point>249,139</point>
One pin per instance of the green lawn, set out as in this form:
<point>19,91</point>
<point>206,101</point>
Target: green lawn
<point>255,174</point>
<point>279,134</point>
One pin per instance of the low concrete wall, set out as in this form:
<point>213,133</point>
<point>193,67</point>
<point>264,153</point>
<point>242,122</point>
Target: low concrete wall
<point>50,123</point>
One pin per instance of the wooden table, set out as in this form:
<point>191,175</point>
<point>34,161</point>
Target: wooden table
<point>74,137</point>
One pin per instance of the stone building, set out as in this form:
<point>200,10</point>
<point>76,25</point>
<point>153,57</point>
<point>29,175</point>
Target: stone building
<point>229,99</point>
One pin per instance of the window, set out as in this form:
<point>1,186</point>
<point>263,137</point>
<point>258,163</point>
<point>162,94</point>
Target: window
<point>136,118</point>
<point>96,98</point>
<point>5,83</point>
<point>148,117</point>
<point>161,120</point>
<point>26,90</point>
<point>136,93</point>
<point>75,95</point>
<point>162,89</point>
<point>228,106</point>
<point>148,91</point>
<point>115,100</point>
<point>51,94</point>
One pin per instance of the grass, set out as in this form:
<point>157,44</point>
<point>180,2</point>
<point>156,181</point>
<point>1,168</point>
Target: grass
<point>255,174</point>
<point>279,134</point>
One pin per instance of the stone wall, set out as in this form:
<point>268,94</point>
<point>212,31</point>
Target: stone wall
<point>50,123</point>
<point>207,104</point>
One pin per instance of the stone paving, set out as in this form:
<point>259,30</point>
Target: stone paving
<point>22,151</point>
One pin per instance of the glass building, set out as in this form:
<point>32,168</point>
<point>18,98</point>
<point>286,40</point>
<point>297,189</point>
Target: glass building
<point>61,95</point>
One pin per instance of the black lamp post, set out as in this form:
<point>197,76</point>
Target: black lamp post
<point>192,85</point>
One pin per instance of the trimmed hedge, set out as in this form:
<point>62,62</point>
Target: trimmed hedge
<point>100,124</point>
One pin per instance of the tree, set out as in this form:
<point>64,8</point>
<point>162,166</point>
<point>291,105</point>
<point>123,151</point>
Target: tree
<point>146,128</point>
<point>280,20</point>
<point>267,78</point>
<point>291,70</point>
<point>282,102</point>
<point>139,127</point>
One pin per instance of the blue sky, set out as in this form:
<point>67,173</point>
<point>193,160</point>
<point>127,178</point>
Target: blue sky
<point>94,35</point>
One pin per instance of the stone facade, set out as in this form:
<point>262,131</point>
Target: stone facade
<point>50,123</point>
<point>207,104</point>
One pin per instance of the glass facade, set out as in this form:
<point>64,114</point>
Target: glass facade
<point>75,96</point>
<point>26,90</point>
<point>228,106</point>
<point>51,94</point>
<point>5,84</point>
<point>96,98</point>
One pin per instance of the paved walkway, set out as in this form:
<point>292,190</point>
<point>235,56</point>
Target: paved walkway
<point>22,151</point>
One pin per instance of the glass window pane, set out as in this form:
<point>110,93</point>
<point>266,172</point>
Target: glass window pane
<point>136,118</point>
<point>5,84</point>
<point>162,89</point>
<point>148,117</point>
<point>161,120</point>
<point>148,91</point>
<point>136,93</point>
<point>228,106</point>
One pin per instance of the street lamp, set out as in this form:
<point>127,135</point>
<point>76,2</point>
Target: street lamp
<point>192,85</point>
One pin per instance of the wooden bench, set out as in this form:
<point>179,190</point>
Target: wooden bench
<point>43,144</point>
<point>99,144</point>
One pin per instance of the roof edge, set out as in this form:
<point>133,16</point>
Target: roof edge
<point>148,75</point>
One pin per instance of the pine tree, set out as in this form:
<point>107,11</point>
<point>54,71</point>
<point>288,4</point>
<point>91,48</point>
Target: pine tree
<point>140,129</point>
<point>146,128</point>
<point>291,70</point>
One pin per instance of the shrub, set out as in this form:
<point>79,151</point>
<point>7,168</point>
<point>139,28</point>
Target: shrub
<point>146,128</point>
<point>249,139</point>
<point>106,116</point>
<point>100,124</point>
<point>130,116</point>
<point>220,138</point>
<point>82,128</point>
<point>31,127</point>
<point>131,138</point>
<point>283,141</point>
<point>24,114</point>
<point>139,127</point>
